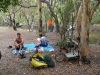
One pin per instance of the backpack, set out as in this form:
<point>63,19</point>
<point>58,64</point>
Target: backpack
<point>44,43</point>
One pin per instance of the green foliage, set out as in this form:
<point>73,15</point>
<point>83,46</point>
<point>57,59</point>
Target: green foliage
<point>66,8</point>
<point>4,4</point>
<point>62,8</point>
<point>94,38</point>
<point>65,43</point>
<point>66,11</point>
<point>96,17</point>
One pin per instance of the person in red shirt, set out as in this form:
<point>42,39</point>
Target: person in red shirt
<point>49,24</point>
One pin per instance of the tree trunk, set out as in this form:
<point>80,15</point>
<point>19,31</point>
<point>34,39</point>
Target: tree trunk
<point>31,22</point>
<point>86,18</point>
<point>77,23</point>
<point>10,20</point>
<point>27,20</point>
<point>40,15</point>
<point>75,8</point>
<point>85,28</point>
<point>57,24</point>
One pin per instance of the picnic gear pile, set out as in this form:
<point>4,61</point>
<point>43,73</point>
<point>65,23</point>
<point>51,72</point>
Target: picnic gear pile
<point>39,61</point>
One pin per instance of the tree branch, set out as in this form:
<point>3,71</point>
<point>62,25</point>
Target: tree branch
<point>27,6</point>
<point>50,8</point>
<point>16,11</point>
<point>94,9</point>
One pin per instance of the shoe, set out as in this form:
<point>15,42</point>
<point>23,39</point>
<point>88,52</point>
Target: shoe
<point>9,47</point>
<point>21,56</point>
<point>19,52</point>
<point>15,52</point>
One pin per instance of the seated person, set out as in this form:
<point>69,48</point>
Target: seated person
<point>42,41</point>
<point>18,43</point>
<point>40,37</point>
<point>76,43</point>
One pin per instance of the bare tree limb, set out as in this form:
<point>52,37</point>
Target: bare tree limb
<point>49,6</point>
<point>16,11</point>
<point>94,9</point>
<point>27,6</point>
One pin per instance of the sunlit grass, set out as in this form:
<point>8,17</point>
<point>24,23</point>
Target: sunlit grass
<point>94,38</point>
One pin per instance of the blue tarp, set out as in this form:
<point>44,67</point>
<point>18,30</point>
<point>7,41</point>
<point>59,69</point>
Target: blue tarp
<point>32,47</point>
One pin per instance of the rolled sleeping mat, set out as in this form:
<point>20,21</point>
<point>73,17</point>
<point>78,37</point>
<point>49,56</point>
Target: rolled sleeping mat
<point>49,61</point>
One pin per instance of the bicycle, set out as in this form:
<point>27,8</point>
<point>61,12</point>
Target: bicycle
<point>68,53</point>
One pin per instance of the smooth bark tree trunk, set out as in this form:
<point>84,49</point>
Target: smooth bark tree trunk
<point>86,14</point>
<point>78,20</point>
<point>85,28</point>
<point>40,15</point>
<point>31,22</point>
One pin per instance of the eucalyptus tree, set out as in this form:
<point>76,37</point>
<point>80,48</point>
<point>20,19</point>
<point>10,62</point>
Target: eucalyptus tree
<point>86,19</point>
<point>85,14</point>
<point>40,15</point>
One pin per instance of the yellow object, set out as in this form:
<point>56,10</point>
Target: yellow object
<point>29,50</point>
<point>36,63</point>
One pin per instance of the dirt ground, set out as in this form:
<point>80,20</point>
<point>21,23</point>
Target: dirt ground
<point>12,65</point>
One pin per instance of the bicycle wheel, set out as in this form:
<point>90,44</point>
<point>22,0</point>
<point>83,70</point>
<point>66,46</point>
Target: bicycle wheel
<point>59,57</point>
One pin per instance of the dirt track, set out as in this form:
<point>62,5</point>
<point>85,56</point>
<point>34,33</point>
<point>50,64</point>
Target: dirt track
<point>12,65</point>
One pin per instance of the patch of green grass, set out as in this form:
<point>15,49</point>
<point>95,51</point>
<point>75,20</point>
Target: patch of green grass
<point>94,38</point>
<point>9,27</point>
